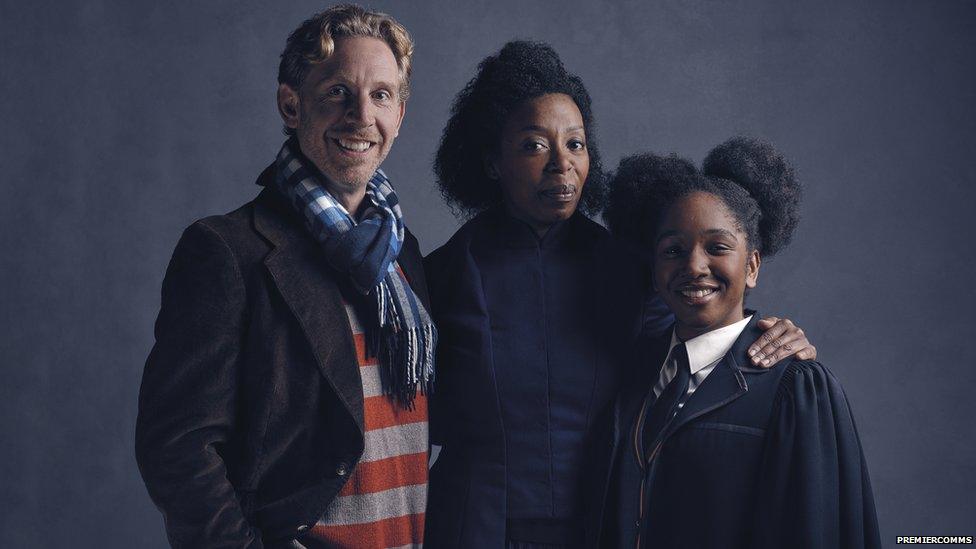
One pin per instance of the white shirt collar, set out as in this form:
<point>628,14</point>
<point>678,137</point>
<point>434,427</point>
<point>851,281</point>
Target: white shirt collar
<point>709,347</point>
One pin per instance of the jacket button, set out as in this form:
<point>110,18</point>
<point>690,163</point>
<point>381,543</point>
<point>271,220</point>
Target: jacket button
<point>342,469</point>
<point>302,529</point>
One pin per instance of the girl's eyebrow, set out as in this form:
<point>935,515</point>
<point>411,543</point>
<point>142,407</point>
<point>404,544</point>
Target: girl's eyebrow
<point>723,232</point>
<point>665,234</point>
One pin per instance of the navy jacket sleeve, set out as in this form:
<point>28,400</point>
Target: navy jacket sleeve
<point>814,490</point>
<point>433,265</point>
<point>188,395</point>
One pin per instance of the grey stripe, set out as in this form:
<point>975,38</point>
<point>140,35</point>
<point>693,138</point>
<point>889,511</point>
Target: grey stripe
<point>398,440</point>
<point>372,385</point>
<point>366,508</point>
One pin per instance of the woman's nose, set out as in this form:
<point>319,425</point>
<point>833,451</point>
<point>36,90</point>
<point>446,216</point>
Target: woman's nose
<point>558,161</point>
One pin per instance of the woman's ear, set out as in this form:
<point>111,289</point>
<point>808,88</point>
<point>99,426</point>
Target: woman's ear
<point>752,269</point>
<point>490,170</point>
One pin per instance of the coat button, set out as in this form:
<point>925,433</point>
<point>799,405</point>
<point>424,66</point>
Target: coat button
<point>302,529</point>
<point>342,469</point>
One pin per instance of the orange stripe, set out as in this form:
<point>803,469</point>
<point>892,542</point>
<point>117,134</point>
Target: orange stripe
<point>392,532</point>
<point>381,411</point>
<point>360,341</point>
<point>376,476</point>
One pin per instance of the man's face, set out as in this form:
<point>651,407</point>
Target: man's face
<point>347,112</point>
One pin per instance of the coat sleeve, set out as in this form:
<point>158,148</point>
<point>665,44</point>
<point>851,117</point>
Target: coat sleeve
<point>188,396</point>
<point>656,317</point>
<point>432,267</point>
<point>814,488</point>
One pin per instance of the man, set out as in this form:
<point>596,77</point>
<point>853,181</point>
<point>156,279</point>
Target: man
<point>283,402</point>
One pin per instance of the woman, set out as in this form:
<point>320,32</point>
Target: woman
<point>533,303</point>
<point>711,452</point>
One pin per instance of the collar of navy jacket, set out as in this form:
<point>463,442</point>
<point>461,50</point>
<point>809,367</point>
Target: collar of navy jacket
<point>727,382</point>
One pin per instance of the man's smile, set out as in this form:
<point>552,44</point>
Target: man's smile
<point>353,145</point>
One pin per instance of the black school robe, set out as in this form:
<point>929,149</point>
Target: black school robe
<point>755,459</point>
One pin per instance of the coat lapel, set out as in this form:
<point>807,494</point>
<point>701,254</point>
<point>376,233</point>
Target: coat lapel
<point>726,382</point>
<point>307,284</point>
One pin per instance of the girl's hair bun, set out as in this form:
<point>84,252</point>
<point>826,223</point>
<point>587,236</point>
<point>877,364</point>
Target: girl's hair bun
<point>764,173</point>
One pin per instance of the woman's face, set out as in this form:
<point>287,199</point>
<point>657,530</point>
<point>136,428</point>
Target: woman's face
<point>703,264</point>
<point>542,160</point>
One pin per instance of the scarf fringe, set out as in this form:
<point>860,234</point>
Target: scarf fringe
<point>411,347</point>
<point>404,335</point>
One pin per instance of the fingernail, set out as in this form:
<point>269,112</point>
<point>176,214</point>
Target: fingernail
<point>765,362</point>
<point>752,352</point>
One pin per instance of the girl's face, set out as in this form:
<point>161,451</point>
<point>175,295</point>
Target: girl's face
<point>542,160</point>
<point>703,264</point>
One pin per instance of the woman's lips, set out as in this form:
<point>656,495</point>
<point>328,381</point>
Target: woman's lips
<point>562,193</point>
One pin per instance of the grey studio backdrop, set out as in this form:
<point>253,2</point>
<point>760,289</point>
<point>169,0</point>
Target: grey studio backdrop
<point>122,122</point>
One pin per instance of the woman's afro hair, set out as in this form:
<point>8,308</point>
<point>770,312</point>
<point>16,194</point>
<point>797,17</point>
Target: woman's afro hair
<point>519,72</point>
<point>748,175</point>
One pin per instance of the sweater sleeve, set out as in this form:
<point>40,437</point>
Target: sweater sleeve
<point>814,488</point>
<point>188,396</point>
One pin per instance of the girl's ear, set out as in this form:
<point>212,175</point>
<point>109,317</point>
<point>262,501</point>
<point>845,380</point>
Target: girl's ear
<point>752,269</point>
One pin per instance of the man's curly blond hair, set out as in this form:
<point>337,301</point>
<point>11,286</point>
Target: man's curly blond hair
<point>314,41</point>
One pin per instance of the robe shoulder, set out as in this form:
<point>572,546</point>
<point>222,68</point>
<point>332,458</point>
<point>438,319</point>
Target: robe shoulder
<point>813,471</point>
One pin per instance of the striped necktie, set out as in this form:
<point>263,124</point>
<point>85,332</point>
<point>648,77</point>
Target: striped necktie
<point>666,405</point>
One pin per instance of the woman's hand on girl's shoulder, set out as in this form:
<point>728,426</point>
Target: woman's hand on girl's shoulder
<point>780,340</point>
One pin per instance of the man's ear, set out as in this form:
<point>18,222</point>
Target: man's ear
<point>403,110</point>
<point>752,269</point>
<point>289,106</point>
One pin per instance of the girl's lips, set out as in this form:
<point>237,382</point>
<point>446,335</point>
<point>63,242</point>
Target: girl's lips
<point>697,296</point>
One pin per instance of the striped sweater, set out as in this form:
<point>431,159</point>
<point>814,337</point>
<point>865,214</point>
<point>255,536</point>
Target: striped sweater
<point>382,504</point>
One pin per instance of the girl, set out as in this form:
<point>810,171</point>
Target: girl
<point>710,451</point>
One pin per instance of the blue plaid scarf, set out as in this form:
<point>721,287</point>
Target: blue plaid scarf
<point>366,251</point>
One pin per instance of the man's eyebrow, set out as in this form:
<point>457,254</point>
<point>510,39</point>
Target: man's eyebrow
<point>339,78</point>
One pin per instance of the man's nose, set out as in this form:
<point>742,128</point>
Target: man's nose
<point>359,111</point>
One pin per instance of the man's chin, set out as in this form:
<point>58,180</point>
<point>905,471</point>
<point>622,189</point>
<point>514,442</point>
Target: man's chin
<point>350,178</point>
